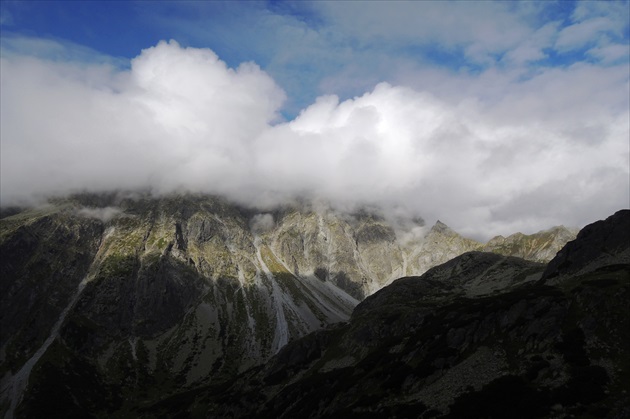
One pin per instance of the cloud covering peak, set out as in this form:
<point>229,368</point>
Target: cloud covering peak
<point>509,153</point>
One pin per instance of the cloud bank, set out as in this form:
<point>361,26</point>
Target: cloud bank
<point>493,157</point>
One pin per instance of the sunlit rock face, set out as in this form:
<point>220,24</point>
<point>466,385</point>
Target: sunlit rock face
<point>132,297</point>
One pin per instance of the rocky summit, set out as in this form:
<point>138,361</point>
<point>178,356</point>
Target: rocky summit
<point>133,305</point>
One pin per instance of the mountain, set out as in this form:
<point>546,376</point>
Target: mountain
<point>539,247</point>
<point>128,298</point>
<point>603,243</point>
<point>482,335</point>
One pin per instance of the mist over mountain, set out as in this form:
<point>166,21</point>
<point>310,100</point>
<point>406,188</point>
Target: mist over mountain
<point>179,119</point>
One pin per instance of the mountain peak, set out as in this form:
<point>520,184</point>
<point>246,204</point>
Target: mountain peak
<point>595,246</point>
<point>440,227</point>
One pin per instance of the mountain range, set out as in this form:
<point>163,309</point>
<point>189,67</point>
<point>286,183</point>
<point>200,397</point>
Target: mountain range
<point>138,305</point>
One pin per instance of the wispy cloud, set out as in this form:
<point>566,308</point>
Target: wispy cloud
<point>59,50</point>
<point>6,17</point>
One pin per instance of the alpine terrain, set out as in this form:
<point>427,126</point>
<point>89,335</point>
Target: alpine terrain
<point>131,305</point>
<point>481,336</point>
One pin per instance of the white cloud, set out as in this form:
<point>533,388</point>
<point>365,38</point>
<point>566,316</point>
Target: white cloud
<point>616,10</point>
<point>486,26</point>
<point>488,155</point>
<point>178,118</point>
<point>103,214</point>
<point>599,25</point>
<point>611,53</point>
<point>533,47</point>
<point>584,33</point>
<point>261,223</point>
<point>54,50</point>
<point>346,48</point>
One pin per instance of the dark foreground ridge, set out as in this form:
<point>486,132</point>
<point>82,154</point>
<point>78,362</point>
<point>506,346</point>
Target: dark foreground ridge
<point>479,336</point>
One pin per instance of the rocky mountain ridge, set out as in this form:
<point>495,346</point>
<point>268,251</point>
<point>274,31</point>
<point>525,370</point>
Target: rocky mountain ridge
<point>479,336</point>
<point>142,296</point>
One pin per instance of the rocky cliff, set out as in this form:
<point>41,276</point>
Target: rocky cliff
<point>126,299</point>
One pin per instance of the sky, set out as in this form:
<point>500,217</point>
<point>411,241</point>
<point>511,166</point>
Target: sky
<point>494,117</point>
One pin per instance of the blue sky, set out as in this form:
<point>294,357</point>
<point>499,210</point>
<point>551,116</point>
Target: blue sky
<point>493,115</point>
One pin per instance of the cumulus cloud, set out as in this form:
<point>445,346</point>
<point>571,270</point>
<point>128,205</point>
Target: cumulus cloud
<point>506,153</point>
<point>179,118</point>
